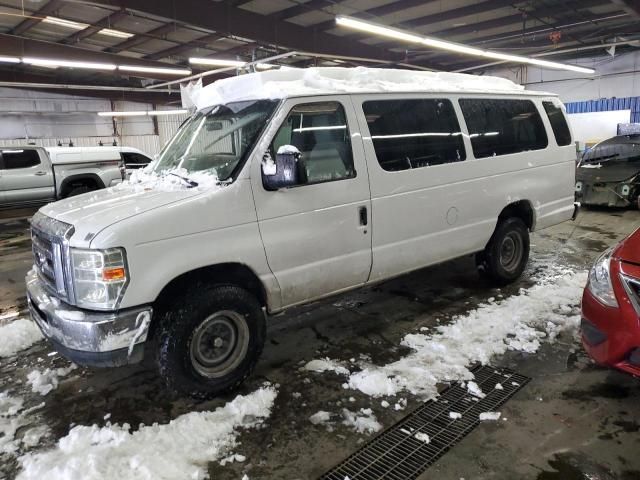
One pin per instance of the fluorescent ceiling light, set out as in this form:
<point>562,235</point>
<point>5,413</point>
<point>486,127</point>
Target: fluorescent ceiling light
<point>115,33</point>
<point>61,22</point>
<point>4,59</point>
<point>43,62</point>
<point>141,113</point>
<point>451,46</point>
<point>165,71</point>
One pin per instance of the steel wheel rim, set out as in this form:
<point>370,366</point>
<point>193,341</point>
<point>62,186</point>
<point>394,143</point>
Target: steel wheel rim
<point>511,251</point>
<point>219,344</point>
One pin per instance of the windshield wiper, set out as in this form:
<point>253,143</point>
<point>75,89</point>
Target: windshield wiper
<point>188,181</point>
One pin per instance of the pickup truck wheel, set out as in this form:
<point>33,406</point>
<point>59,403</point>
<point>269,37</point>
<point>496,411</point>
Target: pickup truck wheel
<point>211,342</point>
<point>507,253</point>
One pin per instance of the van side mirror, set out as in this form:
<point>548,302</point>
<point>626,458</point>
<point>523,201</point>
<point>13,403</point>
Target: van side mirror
<point>283,172</point>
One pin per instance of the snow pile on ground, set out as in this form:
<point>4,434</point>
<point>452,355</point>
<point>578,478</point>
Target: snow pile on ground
<point>363,421</point>
<point>520,322</point>
<point>326,365</point>
<point>320,417</point>
<point>18,335</point>
<point>45,381</point>
<point>180,449</point>
<point>277,84</point>
<point>490,416</point>
<point>10,422</point>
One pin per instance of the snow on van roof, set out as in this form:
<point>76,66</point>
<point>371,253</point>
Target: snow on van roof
<point>276,84</point>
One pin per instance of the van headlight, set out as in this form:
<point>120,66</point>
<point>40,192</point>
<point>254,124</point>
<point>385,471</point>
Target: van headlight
<point>600,280</point>
<point>99,277</point>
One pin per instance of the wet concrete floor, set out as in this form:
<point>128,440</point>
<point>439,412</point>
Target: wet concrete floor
<point>574,420</point>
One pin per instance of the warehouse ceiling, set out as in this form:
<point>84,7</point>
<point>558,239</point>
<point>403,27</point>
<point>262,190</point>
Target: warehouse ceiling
<point>161,33</point>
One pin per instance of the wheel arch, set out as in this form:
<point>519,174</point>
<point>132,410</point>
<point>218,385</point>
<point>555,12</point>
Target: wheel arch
<point>522,209</point>
<point>82,177</point>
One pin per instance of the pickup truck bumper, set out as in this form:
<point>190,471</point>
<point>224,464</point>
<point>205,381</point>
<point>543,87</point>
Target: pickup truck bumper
<point>90,338</point>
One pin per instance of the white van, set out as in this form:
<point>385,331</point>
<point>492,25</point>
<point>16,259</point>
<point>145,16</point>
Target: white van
<point>287,187</point>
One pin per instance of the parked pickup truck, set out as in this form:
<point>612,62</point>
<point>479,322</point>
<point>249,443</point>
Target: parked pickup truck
<point>31,176</point>
<point>290,186</point>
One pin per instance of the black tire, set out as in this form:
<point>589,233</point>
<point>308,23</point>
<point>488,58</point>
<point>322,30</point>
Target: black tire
<point>78,190</point>
<point>507,253</point>
<point>189,363</point>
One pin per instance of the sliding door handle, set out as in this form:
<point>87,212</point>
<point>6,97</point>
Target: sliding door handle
<point>364,216</point>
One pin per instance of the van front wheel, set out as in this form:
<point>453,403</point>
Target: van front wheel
<point>507,253</point>
<point>210,340</point>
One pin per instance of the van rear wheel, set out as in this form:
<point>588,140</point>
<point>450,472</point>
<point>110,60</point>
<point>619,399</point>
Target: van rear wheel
<point>507,253</point>
<point>211,341</point>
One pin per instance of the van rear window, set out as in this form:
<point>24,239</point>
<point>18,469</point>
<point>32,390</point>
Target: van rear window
<point>501,126</point>
<point>558,123</point>
<point>14,159</point>
<point>414,133</point>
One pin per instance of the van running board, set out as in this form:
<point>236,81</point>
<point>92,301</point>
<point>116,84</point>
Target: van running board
<point>396,453</point>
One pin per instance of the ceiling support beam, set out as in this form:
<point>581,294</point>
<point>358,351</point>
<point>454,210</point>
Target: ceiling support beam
<point>10,45</point>
<point>28,23</point>
<point>142,38</point>
<point>202,42</point>
<point>231,21</point>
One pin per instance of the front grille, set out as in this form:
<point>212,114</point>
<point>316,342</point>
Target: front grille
<point>48,239</point>
<point>632,287</point>
<point>400,453</point>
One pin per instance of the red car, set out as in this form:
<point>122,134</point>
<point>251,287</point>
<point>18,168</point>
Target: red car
<point>610,324</point>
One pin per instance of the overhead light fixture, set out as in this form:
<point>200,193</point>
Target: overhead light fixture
<point>61,22</point>
<point>405,36</point>
<point>44,62</point>
<point>143,113</point>
<point>4,59</point>
<point>115,33</point>
<point>159,70</point>
<point>216,62</point>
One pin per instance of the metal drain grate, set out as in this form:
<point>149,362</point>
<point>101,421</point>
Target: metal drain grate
<point>397,454</point>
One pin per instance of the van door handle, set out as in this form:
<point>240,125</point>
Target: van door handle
<point>364,217</point>
<point>40,173</point>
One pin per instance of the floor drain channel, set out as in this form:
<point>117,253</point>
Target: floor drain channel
<point>402,452</point>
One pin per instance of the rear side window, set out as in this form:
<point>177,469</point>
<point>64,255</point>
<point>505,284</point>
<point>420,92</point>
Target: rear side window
<point>14,159</point>
<point>558,123</point>
<point>135,161</point>
<point>501,127</point>
<point>414,133</point>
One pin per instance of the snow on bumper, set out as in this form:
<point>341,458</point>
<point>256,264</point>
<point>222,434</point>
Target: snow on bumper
<point>88,337</point>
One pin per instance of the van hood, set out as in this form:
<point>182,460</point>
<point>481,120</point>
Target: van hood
<point>92,212</point>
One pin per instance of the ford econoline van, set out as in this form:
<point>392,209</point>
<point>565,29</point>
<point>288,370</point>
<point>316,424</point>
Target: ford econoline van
<point>286,187</point>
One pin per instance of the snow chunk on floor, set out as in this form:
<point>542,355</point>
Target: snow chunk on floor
<point>423,437</point>
<point>326,365</point>
<point>474,389</point>
<point>45,381</point>
<point>363,421</point>
<point>10,422</point>
<point>455,415</point>
<point>180,449</point>
<point>18,335</point>
<point>520,322</point>
<point>320,417</point>
<point>490,416</point>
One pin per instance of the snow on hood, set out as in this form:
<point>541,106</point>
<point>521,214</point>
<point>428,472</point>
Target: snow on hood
<point>278,84</point>
<point>92,212</point>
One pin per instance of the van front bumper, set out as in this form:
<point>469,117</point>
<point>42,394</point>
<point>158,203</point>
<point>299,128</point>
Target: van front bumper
<point>90,338</point>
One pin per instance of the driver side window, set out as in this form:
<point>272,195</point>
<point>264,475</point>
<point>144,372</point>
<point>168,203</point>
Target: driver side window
<point>321,134</point>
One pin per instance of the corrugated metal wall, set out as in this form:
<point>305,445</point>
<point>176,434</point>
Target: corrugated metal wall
<point>607,105</point>
<point>48,118</point>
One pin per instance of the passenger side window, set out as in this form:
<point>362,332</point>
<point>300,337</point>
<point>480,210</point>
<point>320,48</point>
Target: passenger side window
<point>500,127</point>
<point>414,133</point>
<point>321,134</point>
<point>558,123</point>
<point>14,159</point>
